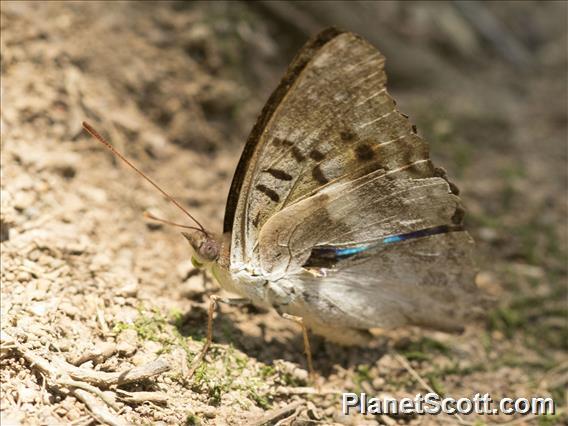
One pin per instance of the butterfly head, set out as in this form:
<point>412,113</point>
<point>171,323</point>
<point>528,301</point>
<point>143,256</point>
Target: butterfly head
<point>205,247</point>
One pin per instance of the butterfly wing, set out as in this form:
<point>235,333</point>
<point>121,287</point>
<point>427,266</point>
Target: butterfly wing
<point>333,173</point>
<point>426,282</point>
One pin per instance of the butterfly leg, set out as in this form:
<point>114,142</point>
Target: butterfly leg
<point>213,300</point>
<point>307,347</point>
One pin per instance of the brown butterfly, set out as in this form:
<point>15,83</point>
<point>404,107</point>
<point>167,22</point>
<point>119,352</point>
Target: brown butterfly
<point>336,216</point>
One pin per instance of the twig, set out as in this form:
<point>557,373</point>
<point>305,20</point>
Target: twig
<point>275,415</point>
<point>104,379</point>
<point>85,386</point>
<point>141,397</point>
<point>99,411</point>
<point>40,363</point>
<point>305,390</point>
<point>62,373</point>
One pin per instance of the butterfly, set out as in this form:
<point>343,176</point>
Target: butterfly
<point>336,217</point>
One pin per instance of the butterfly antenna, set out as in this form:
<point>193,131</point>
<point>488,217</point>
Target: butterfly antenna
<point>102,140</point>
<point>169,222</point>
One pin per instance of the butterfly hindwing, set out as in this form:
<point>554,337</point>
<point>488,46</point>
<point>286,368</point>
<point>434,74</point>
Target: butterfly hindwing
<point>427,282</point>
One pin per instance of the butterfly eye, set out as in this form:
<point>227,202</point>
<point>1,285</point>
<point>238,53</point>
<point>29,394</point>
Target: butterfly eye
<point>209,250</point>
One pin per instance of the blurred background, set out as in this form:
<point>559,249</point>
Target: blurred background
<point>177,86</point>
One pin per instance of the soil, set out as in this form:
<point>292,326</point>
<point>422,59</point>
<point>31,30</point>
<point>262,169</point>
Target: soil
<point>88,282</point>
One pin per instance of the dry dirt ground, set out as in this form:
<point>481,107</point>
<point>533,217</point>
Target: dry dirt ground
<point>91,290</point>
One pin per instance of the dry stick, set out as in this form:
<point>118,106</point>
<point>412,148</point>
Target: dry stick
<point>81,389</point>
<point>305,390</point>
<point>104,379</point>
<point>99,411</point>
<point>141,397</point>
<point>420,380</point>
<point>42,364</point>
<point>85,386</point>
<point>287,421</point>
<point>277,414</point>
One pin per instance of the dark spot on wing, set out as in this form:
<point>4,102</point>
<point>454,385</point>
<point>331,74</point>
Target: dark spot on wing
<point>282,142</point>
<point>364,152</point>
<point>279,174</point>
<point>268,192</point>
<point>311,298</point>
<point>347,135</point>
<point>318,175</point>
<point>256,220</point>
<point>414,129</point>
<point>316,155</point>
<point>297,154</point>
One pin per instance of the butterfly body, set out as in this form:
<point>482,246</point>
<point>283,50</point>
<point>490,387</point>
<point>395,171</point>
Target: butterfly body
<point>336,213</point>
<point>293,294</point>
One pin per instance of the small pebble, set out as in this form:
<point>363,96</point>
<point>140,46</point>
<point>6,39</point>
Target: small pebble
<point>209,412</point>
<point>27,394</point>
<point>24,276</point>
<point>69,309</point>
<point>378,382</point>
<point>34,255</point>
<point>130,289</point>
<point>38,309</point>
<point>73,414</point>
<point>23,200</point>
<point>127,342</point>
<point>152,347</point>
<point>88,364</point>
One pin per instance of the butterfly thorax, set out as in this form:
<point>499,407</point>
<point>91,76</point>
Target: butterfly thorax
<point>244,282</point>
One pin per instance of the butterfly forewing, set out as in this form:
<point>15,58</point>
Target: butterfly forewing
<point>335,123</point>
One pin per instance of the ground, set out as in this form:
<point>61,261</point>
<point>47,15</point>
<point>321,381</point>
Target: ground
<point>87,281</point>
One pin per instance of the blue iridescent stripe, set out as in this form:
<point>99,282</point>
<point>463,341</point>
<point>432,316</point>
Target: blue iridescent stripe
<point>393,239</point>
<point>350,251</point>
<point>442,229</point>
<point>328,256</point>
